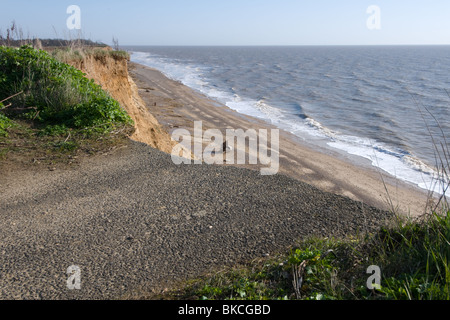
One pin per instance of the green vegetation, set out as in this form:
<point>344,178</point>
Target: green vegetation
<point>413,257</point>
<point>5,123</point>
<point>48,110</point>
<point>51,107</point>
<point>56,93</point>
<point>417,257</point>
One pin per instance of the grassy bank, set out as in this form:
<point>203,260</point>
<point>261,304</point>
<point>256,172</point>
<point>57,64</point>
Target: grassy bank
<point>68,54</point>
<point>413,257</point>
<point>50,108</point>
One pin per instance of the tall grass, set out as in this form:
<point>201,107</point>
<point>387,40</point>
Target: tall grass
<point>416,252</point>
<point>79,54</point>
<point>69,49</point>
<point>416,258</point>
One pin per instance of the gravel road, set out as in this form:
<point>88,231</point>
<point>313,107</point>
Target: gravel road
<point>134,222</point>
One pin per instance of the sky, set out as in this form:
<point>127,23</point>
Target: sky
<point>235,22</point>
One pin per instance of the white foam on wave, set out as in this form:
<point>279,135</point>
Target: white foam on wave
<point>189,75</point>
<point>398,163</point>
<point>401,165</point>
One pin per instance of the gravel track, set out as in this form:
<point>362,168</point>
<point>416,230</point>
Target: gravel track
<point>135,223</point>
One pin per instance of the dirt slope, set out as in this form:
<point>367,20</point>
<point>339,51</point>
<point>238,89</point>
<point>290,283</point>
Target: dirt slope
<point>112,74</point>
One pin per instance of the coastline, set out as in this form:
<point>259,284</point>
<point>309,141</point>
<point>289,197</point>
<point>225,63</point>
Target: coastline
<point>177,106</point>
<point>136,224</point>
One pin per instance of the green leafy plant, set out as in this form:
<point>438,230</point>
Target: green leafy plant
<point>54,130</point>
<point>56,93</point>
<point>412,254</point>
<point>5,123</point>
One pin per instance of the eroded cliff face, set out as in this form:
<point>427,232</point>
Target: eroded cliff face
<point>112,74</point>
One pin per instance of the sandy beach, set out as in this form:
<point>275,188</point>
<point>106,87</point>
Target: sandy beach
<point>178,106</point>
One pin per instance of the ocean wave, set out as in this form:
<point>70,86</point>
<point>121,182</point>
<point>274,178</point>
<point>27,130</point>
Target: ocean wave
<point>321,128</point>
<point>396,162</point>
<point>294,118</point>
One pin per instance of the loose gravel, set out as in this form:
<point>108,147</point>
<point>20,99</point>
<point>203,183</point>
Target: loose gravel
<point>133,222</point>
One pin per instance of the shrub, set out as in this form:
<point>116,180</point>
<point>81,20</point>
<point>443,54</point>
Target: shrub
<point>5,123</point>
<point>55,130</point>
<point>60,93</point>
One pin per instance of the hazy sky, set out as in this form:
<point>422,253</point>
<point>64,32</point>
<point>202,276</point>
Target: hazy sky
<point>237,22</point>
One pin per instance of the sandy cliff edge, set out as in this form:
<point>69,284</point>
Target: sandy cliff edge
<point>177,106</point>
<point>112,74</point>
<point>328,174</point>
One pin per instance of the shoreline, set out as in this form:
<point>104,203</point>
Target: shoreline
<point>177,106</point>
<point>135,224</point>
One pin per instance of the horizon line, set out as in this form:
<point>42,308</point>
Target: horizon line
<point>279,45</point>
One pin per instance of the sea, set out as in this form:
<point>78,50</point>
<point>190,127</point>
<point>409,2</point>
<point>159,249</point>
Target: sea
<point>389,105</point>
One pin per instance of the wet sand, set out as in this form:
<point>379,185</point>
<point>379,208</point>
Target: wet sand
<point>178,106</point>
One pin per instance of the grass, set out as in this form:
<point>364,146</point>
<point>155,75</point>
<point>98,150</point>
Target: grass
<point>50,108</point>
<point>418,255</point>
<point>412,255</point>
<point>67,55</point>
<point>54,92</point>
<point>33,144</point>
<point>5,124</point>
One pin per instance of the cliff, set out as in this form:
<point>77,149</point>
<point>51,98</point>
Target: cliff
<point>111,72</point>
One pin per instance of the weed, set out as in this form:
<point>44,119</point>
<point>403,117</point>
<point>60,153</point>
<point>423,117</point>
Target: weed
<point>59,93</point>
<point>412,254</point>
<point>5,123</point>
